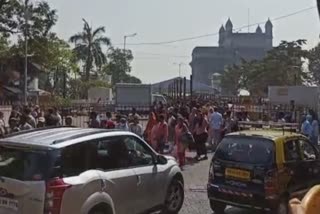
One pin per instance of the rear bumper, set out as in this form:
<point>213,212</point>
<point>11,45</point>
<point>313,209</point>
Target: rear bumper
<point>241,199</point>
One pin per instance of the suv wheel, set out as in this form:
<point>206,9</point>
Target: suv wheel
<point>217,207</point>
<point>100,210</point>
<point>174,199</point>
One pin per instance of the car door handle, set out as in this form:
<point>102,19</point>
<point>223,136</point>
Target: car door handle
<point>138,180</point>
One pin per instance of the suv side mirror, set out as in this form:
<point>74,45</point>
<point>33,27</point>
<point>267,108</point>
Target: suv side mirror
<point>161,160</point>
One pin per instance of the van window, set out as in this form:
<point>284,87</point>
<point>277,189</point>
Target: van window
<point>251,150</point>
<point>24,164</point>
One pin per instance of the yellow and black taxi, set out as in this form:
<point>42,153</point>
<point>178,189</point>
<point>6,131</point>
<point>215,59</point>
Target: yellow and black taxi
<point>262,169</point>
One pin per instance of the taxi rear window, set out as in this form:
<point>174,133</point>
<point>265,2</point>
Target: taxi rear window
<point>245,149</point>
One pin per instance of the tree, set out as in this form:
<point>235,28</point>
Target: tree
<point>282,66</point>
<point>231,80</point>
<point>8,14</point>
<point>314,63</point>
<point>119,66</point>
<point>88,47</point>
<point>13,13</point>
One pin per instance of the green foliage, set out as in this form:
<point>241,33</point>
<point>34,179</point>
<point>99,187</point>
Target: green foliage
<point>314,64</point>
<point>119,66</point>
<point>41,18</point>
<point>283,65</point>
<point>79,89</point>
<point>88,47</point>
<point>34,20</point>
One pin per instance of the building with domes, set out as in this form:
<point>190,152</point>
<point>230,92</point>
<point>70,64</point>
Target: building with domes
<point>233,47</point>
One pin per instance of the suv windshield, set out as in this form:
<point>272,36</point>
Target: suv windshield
<point>24,164</point>
<point>252,150</point>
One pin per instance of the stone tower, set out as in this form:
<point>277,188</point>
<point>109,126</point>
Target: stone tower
<point>229,27</point>
<point>222,32</point>
<point>269,33</point>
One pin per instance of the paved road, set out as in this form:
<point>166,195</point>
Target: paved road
<point>196,201</point>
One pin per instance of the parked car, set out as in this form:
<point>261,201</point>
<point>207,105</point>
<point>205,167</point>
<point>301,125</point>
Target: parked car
<point>262,170</point>
<point>88,171</point>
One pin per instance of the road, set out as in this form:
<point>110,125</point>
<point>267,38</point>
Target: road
<point>196,200</point>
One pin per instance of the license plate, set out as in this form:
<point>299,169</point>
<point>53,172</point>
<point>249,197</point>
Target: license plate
<point>237,173</point>
<point>8,203</point>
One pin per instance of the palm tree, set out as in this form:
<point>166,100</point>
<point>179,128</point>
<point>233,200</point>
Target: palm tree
<point>88,47</point>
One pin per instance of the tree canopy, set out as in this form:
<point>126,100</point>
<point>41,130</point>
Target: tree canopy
<point>88,47</point>
<point>22,20</point>
<point>283,65</point>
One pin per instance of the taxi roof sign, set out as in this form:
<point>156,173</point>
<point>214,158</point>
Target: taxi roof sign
<point>292,127</point>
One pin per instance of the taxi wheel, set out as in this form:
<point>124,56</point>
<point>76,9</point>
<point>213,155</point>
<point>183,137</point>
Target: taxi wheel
<point>217,207</point>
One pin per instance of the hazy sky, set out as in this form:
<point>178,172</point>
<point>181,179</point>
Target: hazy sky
<point>163,20</point>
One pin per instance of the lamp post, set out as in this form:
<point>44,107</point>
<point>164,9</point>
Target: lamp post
<point>125,40</point>
<point>26,16</point>
<point>180,65</point>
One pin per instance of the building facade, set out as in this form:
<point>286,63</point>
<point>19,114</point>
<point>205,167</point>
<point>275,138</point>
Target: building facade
<point>209,62</point>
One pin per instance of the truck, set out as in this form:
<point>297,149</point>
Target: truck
<point>138,96</point>
<point>307,97</point>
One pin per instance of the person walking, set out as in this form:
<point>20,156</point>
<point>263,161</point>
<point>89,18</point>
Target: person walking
<point>123,125</point>
<point>201,136</point>
<point>180,128</point>
<point>2,125</point>
<point>152,121</point>
<point>93,121</point>
<point>306,127</point>
<point>161,134</point>
<point>216,123</point>
<point>135,126</point>
<point>315,128</point>
<point>25,123</point>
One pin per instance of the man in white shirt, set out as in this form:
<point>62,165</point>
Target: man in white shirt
<point>216,123</point>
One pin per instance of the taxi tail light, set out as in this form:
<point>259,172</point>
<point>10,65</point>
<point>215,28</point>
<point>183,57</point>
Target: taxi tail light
<point>271,183</point>
<point>55,189</point>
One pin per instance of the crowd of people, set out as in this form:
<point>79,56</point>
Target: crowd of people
<point>172,129</point>
<point>26,118</point>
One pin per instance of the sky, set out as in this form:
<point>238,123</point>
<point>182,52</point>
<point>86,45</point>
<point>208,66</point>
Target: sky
<point>166,20</point>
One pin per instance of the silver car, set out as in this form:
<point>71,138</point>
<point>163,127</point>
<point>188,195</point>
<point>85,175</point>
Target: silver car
<point>87,171</point>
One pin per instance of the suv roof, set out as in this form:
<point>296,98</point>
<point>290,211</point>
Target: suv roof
<point>58,136</point>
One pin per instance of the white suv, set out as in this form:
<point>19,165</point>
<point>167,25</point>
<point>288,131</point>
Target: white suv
<point>86,171</point>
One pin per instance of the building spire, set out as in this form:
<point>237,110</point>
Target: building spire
<point>258,30</point>
<point>229,26</point>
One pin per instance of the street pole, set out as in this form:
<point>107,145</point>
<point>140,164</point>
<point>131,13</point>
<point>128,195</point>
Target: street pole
<point>124,43</point>
<point>180,69</point>
<point>26,53</point>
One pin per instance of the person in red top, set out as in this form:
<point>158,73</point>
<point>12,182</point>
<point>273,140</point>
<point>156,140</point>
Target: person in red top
<point>151,123</point>
<point>179,130</point>
<point>161,134</point>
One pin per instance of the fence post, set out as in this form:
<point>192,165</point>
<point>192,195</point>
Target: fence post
<point>184,88</point>
<point>191,86</point>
